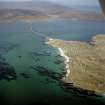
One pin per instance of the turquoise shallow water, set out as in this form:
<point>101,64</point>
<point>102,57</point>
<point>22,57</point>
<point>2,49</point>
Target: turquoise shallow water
<point>30,51</point>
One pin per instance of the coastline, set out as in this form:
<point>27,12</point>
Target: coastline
<point>75,53</point>
<point>66,62</point>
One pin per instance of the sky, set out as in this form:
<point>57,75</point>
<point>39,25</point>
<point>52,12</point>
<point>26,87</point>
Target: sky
<point>15,0</point>
<point>79,2</point>
<point>66,2</point>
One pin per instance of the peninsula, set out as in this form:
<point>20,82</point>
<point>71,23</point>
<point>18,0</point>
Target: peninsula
<point>85,62</point>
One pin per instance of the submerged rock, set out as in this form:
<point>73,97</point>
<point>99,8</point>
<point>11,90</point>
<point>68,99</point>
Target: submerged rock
<point>47,72</point>
<point>24,75</point>
<point>7,72</point>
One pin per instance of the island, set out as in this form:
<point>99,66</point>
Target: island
<point>85,62</point>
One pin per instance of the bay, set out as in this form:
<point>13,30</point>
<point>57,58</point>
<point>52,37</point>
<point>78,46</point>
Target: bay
<point>23,50</point>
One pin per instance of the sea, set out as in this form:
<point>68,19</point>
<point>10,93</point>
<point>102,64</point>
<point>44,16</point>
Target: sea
<point>28,54</point>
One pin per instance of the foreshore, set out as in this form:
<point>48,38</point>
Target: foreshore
<point>66,62</point>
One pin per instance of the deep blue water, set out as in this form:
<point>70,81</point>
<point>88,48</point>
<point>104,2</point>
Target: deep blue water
<point>71,30</point>
<point>66,30</point>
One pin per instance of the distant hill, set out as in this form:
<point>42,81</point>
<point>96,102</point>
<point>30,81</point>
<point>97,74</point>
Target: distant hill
<point>87,8</point>
<point>44,10</point>
<point>39,5</point>
<point>21,14</point>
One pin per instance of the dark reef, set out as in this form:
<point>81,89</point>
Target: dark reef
<point>24,75</point>
<point>67,87</point>
<point>46,72</point>
<point>6,47</point>
<point>7,72</point>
